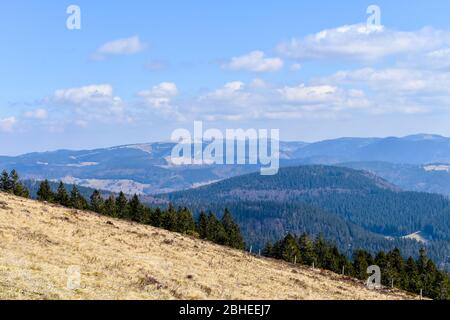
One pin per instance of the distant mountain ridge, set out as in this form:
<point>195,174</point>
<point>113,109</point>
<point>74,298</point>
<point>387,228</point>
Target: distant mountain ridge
<point>432,178</point>
<point>146,168</point>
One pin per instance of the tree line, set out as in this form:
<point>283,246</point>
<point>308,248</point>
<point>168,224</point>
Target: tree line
<point>10,183</point>
<point>224,231</point>
<point>412,275</point>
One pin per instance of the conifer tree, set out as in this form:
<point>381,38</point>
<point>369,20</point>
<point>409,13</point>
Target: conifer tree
<point>430,284</point>
<point>277,250</point>
<point>13,180</point>
<point>5,184</point>
<point>413,283</point>
<point>306,247</point>
<point>289,249</point>
<point>169,219</point>
<point>122,205</point>
<point>422,261</point>
<point>215,230</point>
<point>394,268</point>
<point>146,215</point>
<point>62,196</point>
<point>156,218</point>
<point>11,183</point>
<point>360,264</point>
<point>45,192</point>
<point>382,262</point>
<point>135,209</point>
<point>96,202</point>
<point>421,267</point>
<point>186,223</point>
<point>21,191</point>
<point>77,201</point>
<point>202,226</point>
<point>16,186</point>
<point>109,207</point>
<point>234,238</point>
<point>333,261</point>
<point>442,286</point>
<point>268,250</point>
<point>321,252</point>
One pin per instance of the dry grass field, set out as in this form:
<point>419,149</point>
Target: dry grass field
<point>41,246</point>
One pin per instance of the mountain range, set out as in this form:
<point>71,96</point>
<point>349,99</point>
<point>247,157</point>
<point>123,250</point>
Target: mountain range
<point>415,163</point>
<point>372,193</point>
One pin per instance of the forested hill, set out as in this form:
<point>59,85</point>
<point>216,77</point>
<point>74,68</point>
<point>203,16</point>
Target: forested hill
<point>353,208</point>
<point>300,178</point>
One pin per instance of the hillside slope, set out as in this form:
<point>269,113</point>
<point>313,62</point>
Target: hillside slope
<point>121,260</point>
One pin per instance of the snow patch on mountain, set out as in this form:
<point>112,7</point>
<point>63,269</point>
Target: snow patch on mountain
<point>83,164</point>
<point>437,167</point>
<point>417,236</point>
<point>126,186</point>
<point>144,147</point>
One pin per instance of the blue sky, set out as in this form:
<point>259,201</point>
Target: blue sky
<point>137,70</point>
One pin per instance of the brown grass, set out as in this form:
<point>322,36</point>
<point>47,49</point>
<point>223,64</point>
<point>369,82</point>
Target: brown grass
<point>122,260</point>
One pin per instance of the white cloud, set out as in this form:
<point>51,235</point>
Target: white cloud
<point>402,81</point>
<point>78,95</point>
<point>128,46</point>
<point>233,93</point>
<point>439,59</point>
<point>345,94</point>
<point>7,124</point>
<point>234,101</point>
<point>312,94</point>
<point>318,101</point>
<point>440,54</point>
<point>362,42</point>
<point>38,114</point>
<point>232,87</point>
<point>160,99</point>
<point>239,101</point>
<point>160,95</point>
<point>255,61</point>
<point>91,103</point>
<point>87,95</point>
<point>404,90</point>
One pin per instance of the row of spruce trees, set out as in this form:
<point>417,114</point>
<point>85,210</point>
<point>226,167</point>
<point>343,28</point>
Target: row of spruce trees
<point>224,231</point>
<point>409,275</point>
